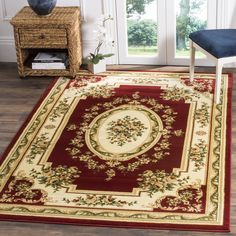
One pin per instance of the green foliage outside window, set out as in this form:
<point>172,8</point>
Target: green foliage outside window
<point>136,6</point>
<point>144,32</point>
<point>188,22</point>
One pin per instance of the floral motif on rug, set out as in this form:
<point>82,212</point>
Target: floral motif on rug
<point>137,149</point>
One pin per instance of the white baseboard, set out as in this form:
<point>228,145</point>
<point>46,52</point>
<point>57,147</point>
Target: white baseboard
<point>7,49</point>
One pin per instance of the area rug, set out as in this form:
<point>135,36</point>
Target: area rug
<point>123,149</point>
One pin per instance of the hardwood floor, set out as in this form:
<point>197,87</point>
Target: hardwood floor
<point>18,97</point>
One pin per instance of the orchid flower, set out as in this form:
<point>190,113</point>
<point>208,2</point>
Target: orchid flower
<point>103,38</point>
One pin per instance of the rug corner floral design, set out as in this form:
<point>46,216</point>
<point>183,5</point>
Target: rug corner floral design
<point>131,149</point>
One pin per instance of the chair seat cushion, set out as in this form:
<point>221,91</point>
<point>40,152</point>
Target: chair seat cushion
<point>219,43</point>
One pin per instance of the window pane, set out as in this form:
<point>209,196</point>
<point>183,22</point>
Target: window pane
<point>142,27</point>
<point>191,15</point>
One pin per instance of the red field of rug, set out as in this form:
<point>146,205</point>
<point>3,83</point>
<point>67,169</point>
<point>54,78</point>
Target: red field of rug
<point>123,149</point>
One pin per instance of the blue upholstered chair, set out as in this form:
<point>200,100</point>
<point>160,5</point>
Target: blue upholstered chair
<point>219,45</point>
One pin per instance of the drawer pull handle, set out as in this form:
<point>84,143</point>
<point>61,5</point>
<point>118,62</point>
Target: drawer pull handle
<point>42,36</point>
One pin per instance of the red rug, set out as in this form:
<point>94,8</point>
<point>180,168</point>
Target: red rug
<point>124,149</point>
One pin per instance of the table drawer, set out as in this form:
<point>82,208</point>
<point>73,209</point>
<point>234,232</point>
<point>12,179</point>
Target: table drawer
<point>42,37</point>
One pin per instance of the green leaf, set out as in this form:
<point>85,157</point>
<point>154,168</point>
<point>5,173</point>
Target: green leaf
<point>95,60</point>
<point>92,55</point>
<point>108,55</point>
<point>100,56</point>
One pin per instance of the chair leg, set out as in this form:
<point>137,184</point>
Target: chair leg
<point>219,67</point>
<point>192,60</point>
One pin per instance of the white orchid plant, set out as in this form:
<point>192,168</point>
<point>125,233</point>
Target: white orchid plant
<point>103,38</point>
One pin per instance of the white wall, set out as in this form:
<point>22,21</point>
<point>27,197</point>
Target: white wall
<point>91,10</point>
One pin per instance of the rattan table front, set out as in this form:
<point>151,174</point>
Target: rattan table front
<point>59,31</point>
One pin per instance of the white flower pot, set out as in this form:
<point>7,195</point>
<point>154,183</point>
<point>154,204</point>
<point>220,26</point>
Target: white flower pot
<point>97,68</point>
